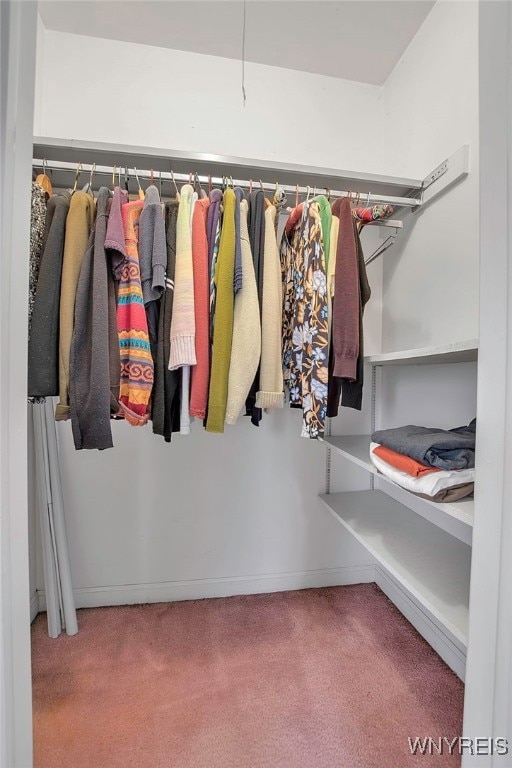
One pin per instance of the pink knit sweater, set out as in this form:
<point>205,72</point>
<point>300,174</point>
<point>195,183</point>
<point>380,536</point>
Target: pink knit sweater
<point>201,371</point>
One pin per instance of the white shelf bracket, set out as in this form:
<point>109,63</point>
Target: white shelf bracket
<point>449,172</point>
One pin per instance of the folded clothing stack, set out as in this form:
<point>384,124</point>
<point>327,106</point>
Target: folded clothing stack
<point>434,463</point>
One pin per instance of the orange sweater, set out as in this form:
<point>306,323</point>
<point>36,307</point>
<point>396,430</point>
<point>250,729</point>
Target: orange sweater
<point>201,371</point>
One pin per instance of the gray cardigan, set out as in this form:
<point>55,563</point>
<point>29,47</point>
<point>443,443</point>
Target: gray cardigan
<point>89,379</point>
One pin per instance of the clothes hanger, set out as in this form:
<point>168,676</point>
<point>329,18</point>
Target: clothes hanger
<point>209,184</point>
<point>177,194</point>
<point>141,191</point>
<point>160,183</point>
<point>88,184</point>
<point>77,176</point>
<point>126,179</point>
<point>44,181</point>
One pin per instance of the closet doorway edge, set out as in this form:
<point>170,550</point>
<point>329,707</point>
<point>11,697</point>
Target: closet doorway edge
<point>488,702</point>
<point>18,24</point>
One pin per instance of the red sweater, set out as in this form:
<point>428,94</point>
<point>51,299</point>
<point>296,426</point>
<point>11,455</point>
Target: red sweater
<point>201,371</point>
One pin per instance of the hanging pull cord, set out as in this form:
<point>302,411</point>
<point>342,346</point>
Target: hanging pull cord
<point>244,95</point>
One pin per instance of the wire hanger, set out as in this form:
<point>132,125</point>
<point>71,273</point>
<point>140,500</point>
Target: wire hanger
<point>88,185</point>
<point>44,180</point>
<point>77,176</point>
<point>174,184</point>
<point>141,191</point>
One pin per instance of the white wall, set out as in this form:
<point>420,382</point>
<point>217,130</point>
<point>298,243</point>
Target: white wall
<point>104,90</point>
<point>243,506</point>
<point>430,102</point>
<point>206,514</point>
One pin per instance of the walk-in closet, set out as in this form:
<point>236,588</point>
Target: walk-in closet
<point>255,367</point>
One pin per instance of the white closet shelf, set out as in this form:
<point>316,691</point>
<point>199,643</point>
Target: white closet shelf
<point>433,567</point>
<point>356,448</point>
<point>161,159</point>
<point>457,352</point>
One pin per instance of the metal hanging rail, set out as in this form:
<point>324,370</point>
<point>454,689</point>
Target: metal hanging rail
<point>125,172</point>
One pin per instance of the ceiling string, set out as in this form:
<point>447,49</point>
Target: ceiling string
<point>243,54</point>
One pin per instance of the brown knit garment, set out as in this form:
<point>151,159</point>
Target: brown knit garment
<point>351,390</point>
<point>345,308</point>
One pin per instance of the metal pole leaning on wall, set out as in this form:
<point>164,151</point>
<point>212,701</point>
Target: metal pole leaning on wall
<point>59,525</point>
<point>44,510</point>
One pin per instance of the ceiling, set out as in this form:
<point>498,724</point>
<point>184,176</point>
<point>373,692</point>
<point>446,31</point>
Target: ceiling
<point>358,40</point>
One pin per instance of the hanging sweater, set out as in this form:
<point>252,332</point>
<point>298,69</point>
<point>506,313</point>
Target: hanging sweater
<point>351,391</point>
<point>238,279</point>
<point>89,381</point>
<point>213,226</point>
<point>223,330</point>
<point>271,393</point>
<point>246,345</point>
<point>114,240</point>
<point>166,391</point>
<point>183,328</point>
<point>152,260</point>
<point>115,249</point>
<point>80,220</point>
<point>201,371</point>
<point>256,224</point>
<point>43,348</point>
<point>345,310</point>
<point>37,217</point>
<point>136,362</point>
<point>152,247</point>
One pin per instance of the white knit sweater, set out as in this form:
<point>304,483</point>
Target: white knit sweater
<point>271,372</point>
<point>183,323</point>
<point>246,345</point>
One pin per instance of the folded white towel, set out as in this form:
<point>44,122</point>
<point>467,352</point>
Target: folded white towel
<point>429,484</point>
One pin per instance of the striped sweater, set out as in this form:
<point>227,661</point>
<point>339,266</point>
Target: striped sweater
<point>136,360</point>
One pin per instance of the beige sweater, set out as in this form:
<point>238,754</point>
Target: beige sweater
<point>271,372</point>
<point>183,323</point>
<point>82,210</point>
<point>331,269</point>
<point>246,345</point>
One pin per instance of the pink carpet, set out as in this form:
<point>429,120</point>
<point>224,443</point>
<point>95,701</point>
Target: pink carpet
<point>320,678</point>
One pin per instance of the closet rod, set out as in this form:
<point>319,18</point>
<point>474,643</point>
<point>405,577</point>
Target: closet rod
<point>365,198</point>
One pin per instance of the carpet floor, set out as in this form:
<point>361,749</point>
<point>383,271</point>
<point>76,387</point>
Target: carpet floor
<point>318,678</point>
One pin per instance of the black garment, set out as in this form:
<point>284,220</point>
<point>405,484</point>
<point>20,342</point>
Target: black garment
<point>256,224</point>
<point>351,391</point>
<point>441,448</point>
<point>90,396</point>
<point>166,388</point>
<point>43,347</point>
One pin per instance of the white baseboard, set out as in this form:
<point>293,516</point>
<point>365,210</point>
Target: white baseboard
<point>34,606</point>
<point>171,591</point>
<point>451,652</point>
